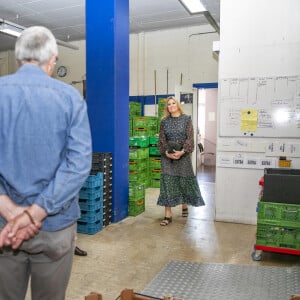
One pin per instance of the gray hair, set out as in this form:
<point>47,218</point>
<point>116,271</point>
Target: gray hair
<point>36,43</point>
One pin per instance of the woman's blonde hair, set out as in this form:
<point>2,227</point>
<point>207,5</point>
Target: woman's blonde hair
<point>166,111</point>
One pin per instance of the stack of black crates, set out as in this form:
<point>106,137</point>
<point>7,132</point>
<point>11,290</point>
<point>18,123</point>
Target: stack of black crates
<point>278,218</point>
<point>102,162</point>
<point>95,197</point>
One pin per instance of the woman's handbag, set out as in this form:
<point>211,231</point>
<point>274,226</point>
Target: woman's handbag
<point>173,146</point>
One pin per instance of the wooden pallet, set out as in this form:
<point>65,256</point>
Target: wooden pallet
<point>128,294</point>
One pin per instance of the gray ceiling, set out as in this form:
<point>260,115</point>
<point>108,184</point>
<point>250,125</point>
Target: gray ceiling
<point>66,18</point>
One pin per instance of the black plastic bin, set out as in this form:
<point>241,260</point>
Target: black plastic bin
<point>281,185</point>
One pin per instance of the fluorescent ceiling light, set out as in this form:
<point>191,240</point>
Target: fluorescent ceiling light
<point>10,28</point>
<point>15,30</point>
<point>193,6</point>
<point>10,32</point>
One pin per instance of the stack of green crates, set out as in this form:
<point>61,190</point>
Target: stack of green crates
<point>138,173</point>
<point>153,145</point>
<point>130,126</point>
<point>155,171</point>
<point>161,107</point>
<point>144,126</point>
<point>278,225</point>
<point>135,110</point>
<point>136,158</point>
<point>154,161</point>
<point>136,199</point>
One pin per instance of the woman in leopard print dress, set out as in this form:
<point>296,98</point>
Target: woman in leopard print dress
<point>178,183</point>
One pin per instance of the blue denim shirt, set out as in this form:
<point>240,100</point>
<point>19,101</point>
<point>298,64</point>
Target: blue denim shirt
<point>45,144</point>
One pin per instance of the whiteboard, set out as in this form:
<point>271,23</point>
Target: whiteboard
<point>260,106</point>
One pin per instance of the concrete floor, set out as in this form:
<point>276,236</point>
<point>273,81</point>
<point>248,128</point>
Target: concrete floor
<point>130,253</point>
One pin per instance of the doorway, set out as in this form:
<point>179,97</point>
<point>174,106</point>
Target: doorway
<point>207,134</point>
<point>206,150</point>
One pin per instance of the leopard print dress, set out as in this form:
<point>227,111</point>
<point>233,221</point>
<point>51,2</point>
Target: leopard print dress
<point>178,183</point>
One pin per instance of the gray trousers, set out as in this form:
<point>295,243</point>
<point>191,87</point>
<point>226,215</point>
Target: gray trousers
<point>45,259</point>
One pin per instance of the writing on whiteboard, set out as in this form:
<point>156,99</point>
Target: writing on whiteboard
<point>272,102</point>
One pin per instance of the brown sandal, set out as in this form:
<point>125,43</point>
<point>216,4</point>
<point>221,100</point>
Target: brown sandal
<point>185,212</point>
<point>166,221</point>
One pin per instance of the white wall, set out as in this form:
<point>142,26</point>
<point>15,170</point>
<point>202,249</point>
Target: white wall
<point>75,61</point>
<point>258,38</point>
<point>3,63</point>
<point>185,52</point>
<point>179,57</point>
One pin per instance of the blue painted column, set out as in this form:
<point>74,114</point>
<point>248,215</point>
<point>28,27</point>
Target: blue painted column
<point>107,90</point>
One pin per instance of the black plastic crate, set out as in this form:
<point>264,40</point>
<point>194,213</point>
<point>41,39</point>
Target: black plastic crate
<point>107,187</point>
<point>107,200</point>
<point>281,171</point>
<point>107,172</point>
<point>107,180</point>
<point>281,186</point>
<point>106,222</point>
<point>105,166</point>
<point>102,156</point>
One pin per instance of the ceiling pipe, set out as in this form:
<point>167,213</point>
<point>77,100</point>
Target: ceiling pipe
<point>212,21</point>
<point>67,45</point>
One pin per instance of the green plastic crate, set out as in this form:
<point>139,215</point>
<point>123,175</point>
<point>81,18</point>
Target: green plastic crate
<point>138,164</point>
<point>278,236</point>
<point>152,122</point>
<point>146,183</point>
<point>155,173</point>
<point>136,207</point>
<point>162,102</point>
<point>138,177</point>
<point>152,130</point>
<point>281,214</point>
<point>136,191</point>
<point>141,122</point>
<point>138,153</point>
<point>155,162</point>
<point>153,140</point>
<point>140,131</point>
<point>155,183</point>
<point>139,141</point>
<point>135,109</point>
<point>145,122</point>
<point>144,131</point>
<point>154,151</point>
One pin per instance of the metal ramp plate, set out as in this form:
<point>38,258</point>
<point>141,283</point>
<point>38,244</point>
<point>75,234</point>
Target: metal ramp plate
<point>208,281</point>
